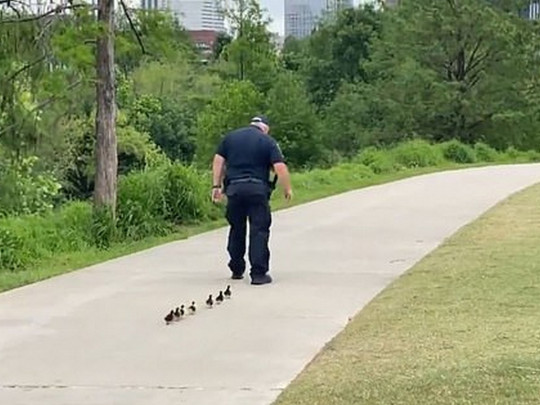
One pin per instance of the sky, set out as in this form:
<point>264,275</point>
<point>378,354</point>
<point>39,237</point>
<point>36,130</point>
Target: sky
<point>275,9</point>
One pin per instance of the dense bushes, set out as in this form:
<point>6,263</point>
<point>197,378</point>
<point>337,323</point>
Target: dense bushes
<point>458,152</point>
<point>417,153</point>
<point>154,201</point>
<point>150,203</point>
<point>23,190</point>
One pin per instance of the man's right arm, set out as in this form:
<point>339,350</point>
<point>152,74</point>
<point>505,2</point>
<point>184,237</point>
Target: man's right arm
<point>284,178</point>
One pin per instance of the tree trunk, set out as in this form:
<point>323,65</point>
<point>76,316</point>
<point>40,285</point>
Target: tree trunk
<point>106,153</point>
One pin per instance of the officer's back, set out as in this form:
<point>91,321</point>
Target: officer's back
<point>249,154</point>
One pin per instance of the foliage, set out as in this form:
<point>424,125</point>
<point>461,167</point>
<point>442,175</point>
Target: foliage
<point>232,107</point>
<point>458,152</point>
<point>294,123</point>
<point>437,72</point>
<point>23,190</point>
<point>370,92</point>
<point>26,239</point>
<point>337,51</point>
<point>250,55</point>
<point>152,202</point>
<point>485,153</point>
<point>345,120</point>
<point>418,153</point>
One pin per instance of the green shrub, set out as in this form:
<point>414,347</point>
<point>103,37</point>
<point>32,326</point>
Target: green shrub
<point>187,195</point>
<point>458,152</point>
<point>485,153</point>
<point>25,239</point>
<point>350,172</point>
<point>417,153</point>
<point>11,251</point>
<point>512,153</point>
<point>379,161</point>
<point>103,227</point>
<point>24,190</point>
<point>533,156</point>
<point>141,205</point>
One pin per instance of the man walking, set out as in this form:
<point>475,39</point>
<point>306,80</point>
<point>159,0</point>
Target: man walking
<point>241,170</point>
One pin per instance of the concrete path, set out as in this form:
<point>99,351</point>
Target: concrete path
<point>97,336</point>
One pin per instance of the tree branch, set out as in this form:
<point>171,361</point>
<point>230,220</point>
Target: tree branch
<point>473,55</point>
<point>30,65</point>
<point>54,98</point>
<point>132,26</point>
<point>56,10</point>
<point>43,104</point>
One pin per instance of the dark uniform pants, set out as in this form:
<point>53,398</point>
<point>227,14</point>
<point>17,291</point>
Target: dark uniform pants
<point>249,201</point>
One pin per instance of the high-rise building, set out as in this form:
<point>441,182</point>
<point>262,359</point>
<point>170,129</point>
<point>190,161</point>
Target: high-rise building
<point>302,16</point>
<point>154,4</point>
<point>532,10</point>
<point>193,15</point>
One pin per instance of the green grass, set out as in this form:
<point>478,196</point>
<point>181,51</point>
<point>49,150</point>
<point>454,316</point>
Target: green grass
<point>460,327</point>
<point>59,243</point>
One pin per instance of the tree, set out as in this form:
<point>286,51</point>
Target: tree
<point>223,39</point>
<point>235,104</point>
<point>440,73</point>
<point>294,122</point>
<point>251,54</point>
<point>106,144</point>
<point>337,50</point>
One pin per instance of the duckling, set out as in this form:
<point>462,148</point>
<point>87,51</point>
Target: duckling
<point>177,314</point>
<point>219,298</point>
<point>169,318</point>
<point>210,301</point>
<point>192,308</point>
<point>182,311</point>
<point>228,292</point>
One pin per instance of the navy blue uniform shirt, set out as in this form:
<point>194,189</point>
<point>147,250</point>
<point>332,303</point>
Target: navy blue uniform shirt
<point>249,152</point>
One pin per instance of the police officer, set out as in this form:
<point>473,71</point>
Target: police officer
<point>241,171</point>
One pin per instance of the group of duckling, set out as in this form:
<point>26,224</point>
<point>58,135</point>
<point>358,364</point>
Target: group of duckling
<point>179,313</point>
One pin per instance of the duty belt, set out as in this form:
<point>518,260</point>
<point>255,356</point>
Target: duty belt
<point>246,180</point>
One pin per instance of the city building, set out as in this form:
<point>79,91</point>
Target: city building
<point>532,10</point>
<point>198,15</point>
<point>302,16</point>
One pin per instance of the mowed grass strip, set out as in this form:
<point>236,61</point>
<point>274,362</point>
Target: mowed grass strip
<point>461,327</point>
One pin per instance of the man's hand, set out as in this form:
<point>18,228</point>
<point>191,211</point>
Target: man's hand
<point>282,172</point>
<point>288,194</point>
<point>217,195</point>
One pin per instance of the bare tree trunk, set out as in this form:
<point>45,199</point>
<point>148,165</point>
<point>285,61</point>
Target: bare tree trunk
<point>106,153</point>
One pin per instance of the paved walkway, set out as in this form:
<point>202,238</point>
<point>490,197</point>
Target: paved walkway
<point>97,337</point>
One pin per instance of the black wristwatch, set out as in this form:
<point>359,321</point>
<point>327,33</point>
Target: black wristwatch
<point>216,186</point>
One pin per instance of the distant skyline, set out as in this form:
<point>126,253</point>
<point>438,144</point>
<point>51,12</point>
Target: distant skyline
<point>275,10</point>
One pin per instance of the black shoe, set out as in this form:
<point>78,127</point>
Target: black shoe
<point>259,280</point>
<point>237,276</point>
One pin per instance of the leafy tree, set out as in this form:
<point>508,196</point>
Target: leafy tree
<point>294,122</point>
<point>440,73</point>
<point>155,36</point>
<point>251,55</point>
<point>223,39</point>
<point>170,124</point>
<point>232,107</point>
<point>337,49</point>
<point>345,121</point>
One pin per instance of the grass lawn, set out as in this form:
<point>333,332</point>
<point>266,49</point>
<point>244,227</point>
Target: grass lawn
<point>307,187</point>
<point>461,327</point>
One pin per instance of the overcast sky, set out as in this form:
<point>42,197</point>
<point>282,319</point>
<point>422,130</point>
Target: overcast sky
<point>275,10</point>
